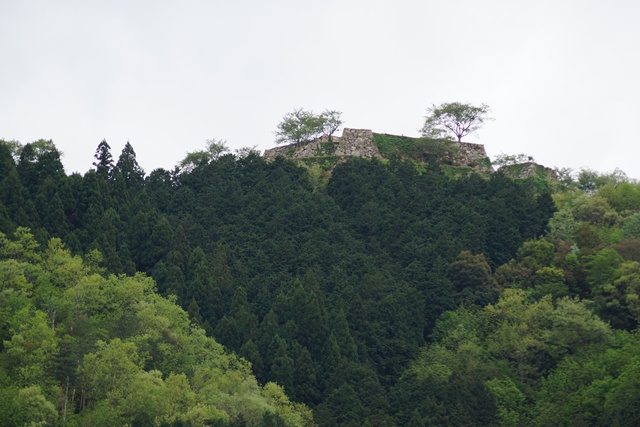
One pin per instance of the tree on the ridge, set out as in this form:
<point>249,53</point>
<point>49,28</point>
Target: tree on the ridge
<point>461,119</point>
<point>503,159</point>
<point>104,160</point>
<point>129,168</point>
<point>39,160</point>
<point>14,147</point>
<point>331,122</point>
<point>214,150</point>
<point>299,126</point>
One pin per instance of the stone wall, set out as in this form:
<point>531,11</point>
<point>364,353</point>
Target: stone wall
<point>528,170</point>
<point>471,155</point>
<point>353,142</point>
<point>359,143</point>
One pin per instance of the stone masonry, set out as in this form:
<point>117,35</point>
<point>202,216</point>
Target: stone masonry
<point>359,143</point>
<point>471,155</point>
<point>528,170</point>
<point>353,142</point>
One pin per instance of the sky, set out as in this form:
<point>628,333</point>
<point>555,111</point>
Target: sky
<point>562,77</point>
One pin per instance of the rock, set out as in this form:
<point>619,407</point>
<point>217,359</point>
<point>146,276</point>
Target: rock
<point>528,170</point>
<point>471,155</point>
<point>359,143</point>
<point>353,142</point>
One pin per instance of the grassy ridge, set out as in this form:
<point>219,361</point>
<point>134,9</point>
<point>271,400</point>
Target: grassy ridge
<point>420,149</point>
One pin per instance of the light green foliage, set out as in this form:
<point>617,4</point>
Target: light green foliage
<point>631,226</point>
<point>511,159</point>
<point>562,226</point>
<point>550,281</point>
<point>602,269</point>
<point>31,409</point>
<point>318,175</point>
<point>628,287</point>
<point>621,402</point>
<point>109,372</point>
<point>457,349</point>
<point>82,349</point>
<point>214,149</point>
<point>509,400</point>
<point>624,197</point>
<point>610,235</point>
<point>587,237</point>
<point>519,330</point>
<point>535,270</point>
<point>458,118</point>
<point>291,413</point>
<point>15,148</point>
<point>331,122</point>
<point>566,180</point>
<point>23,247</point>
<point>593,388</point>
<point>508,347</point>
<point>32,347</point>
<point>589,181</point>
<point>595,210</point>
<point>619,301</point>
<point>536,253</point>
<point>299,126</point>
<point>574,326</point>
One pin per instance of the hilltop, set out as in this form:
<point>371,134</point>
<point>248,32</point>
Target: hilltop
<point>364,143</point>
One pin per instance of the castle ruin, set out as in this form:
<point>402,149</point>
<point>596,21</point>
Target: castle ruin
<point>359,143</point>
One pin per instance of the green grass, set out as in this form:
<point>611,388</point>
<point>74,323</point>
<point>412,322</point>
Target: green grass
<point>393,145</point>
<point>325,149</point>
<point>420,149</point>
<point>486,162</point>
<point>324,162</point>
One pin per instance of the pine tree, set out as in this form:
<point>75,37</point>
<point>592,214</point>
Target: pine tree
<point>341,333</point>
<point>305,380</point>
<point>129,168</point>
<point>104,160</point>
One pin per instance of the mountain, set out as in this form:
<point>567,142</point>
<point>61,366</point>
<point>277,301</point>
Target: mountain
<point>407,288</point>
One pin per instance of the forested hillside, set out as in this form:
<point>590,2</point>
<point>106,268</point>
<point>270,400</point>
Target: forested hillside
<point>389,294</point>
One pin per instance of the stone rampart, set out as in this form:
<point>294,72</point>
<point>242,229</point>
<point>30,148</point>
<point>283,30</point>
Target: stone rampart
<point>353,142</point>
<point>529,170</point>
<point>471,155</point>
<point>359,143</point>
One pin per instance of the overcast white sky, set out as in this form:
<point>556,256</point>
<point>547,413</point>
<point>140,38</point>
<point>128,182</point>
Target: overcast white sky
<point>562,76</point>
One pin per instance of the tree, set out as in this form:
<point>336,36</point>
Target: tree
<point>299,126</point>
<point>128,166</point>
<point>214,150</point>
<point>631,227</point>
<point>519,330</point>
<point>589,181</point>
<point>244,152</point>
<point>503,159</point>
<point>455,117</point>
<point>14,147</point>
<point>471,278</point>
<point>331,122</point>
<point>104,160</point>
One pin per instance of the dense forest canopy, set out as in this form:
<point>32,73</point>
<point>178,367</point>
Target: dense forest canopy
<point>240,292</point>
